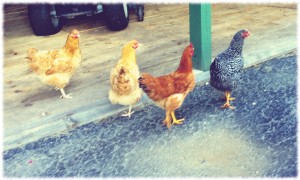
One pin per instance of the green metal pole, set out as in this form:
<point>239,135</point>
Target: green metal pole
<point>200,35</point>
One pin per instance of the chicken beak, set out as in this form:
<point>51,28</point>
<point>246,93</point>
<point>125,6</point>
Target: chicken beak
<point>75,36</point>
<point>248,33</point>
<point>135,46</point>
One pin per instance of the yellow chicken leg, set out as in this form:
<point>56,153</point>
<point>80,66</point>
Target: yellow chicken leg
<point>64,95</point>
<point>228,99</point>
<point>167,120</point>
<point>175,120</point>
<point>128,113</point>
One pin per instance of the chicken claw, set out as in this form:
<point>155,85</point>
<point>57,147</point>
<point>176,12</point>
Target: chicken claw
<point>64,95</point>
<point>167,121</point>
<point>67,96</point>
<point>227,105</point>
<point>128,113</point>
<point>228,99</point>
<point>178,121</point>
<point>175,120</point>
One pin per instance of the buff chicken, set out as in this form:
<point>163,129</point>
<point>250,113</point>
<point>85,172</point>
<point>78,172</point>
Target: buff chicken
<point>124,87</point>
<point>56,67</point>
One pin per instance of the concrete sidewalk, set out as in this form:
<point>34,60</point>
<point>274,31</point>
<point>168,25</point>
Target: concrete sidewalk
<point>257,139</point>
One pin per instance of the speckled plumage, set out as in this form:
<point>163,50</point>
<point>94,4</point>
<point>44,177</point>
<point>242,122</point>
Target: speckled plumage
<point>225,70</point>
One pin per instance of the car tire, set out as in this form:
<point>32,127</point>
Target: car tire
<point>41,22</point>
<point>116,16</point>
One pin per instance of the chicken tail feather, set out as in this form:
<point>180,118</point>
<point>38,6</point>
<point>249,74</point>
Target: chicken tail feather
<point>145,81</point>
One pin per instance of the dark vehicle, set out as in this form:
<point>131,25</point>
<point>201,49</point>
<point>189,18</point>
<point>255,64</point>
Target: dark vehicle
<point>48,19</point>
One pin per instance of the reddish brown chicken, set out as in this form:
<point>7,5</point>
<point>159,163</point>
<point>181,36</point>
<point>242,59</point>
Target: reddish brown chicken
<point>169,91</point>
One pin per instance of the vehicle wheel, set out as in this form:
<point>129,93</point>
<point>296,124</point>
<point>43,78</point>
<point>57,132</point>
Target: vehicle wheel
<point>116,16</point>
<point>140,13</point>
<point>41,21</point>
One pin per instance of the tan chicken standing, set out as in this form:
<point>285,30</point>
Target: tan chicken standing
<point>56,67</point>
<point>124,76</point>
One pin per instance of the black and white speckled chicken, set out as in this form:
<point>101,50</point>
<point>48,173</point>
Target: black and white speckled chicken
<point>225,70</point>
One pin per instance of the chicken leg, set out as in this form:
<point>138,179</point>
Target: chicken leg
<point>128,113</point>
<point>175,120</point>
<point>167,120</point>
<point>228,99</point>
<point>64,95</point>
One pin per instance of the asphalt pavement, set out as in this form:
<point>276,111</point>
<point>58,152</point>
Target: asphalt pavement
<point>257,139</point>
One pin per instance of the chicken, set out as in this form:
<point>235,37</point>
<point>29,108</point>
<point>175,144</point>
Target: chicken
<point>225,70</point>
<point>124,87</point>
<point>169,91</point>
<point>56,67</point>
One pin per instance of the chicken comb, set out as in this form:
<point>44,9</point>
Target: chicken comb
<point>74,34</point>
<point>191,45</point>
<point>135,41</point>
<point>74,31</point>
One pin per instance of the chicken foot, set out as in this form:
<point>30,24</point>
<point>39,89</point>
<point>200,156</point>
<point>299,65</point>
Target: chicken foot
<point>175,120</point>
<point>64,95</point>
<point>128,113</point>
<point>228,99</point>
